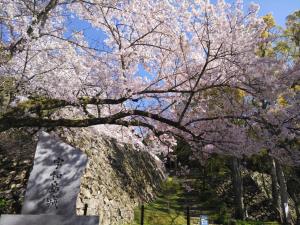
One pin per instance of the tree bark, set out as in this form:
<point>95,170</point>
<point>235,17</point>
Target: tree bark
<point>237,182</point>
<point>297,208</point>
<point>294,193</point>
<point>275,191</point>
<point>297,212</point>
<point>286,219</point>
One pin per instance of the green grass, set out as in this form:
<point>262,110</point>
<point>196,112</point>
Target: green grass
<point>170,206</point>
<point>165,210</point>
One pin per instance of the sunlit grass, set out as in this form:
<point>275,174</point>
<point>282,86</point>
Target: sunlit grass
<point>165,210</point>
<point>170,206</point>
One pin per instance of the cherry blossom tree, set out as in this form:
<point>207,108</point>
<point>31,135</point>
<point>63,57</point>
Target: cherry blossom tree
<point>186,48</point>
<point>185,69</point>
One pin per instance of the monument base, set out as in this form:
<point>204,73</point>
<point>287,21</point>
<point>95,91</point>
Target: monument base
<point>46,219</point>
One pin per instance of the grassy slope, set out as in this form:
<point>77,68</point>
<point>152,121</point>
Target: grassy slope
<point>170,206</point>
<point>166,208</point>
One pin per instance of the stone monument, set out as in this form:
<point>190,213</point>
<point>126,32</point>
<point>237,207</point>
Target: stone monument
<point>53,186</point>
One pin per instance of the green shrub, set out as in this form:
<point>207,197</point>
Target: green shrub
<point>222,215</point>
<point>3,205</point>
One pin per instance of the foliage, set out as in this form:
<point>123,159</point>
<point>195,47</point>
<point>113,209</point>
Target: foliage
<point>259,162</point>
<point>289,42</point>
<point>293,27</point>
<point>3,205</point>
<point>183,152</point>
<point>6,93</point>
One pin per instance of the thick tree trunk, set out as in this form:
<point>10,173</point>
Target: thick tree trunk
<point>237,182</point>
<point>298,215</point>
<point>297,208</point>
<point>293,187</point>
<point>283,194</point>
<point>275,191</point>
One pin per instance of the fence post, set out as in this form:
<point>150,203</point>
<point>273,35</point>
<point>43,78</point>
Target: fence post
<point>85,209</point>
<point>142,214</point>
<point>188,222</point>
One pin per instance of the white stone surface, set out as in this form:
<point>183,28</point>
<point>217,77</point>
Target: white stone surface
<point>54,181</point>
<point>48,220</point>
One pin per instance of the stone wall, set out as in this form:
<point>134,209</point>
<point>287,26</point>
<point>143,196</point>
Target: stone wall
<point>119,175</point>
<point>16,158</point>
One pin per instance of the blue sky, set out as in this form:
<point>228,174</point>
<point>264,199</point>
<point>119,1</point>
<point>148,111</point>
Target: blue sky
<point>279,8</point>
